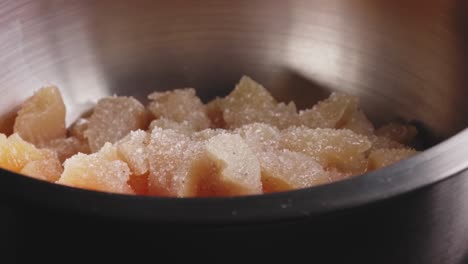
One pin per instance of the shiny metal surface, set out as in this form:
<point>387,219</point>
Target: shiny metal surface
<point>405,59</point>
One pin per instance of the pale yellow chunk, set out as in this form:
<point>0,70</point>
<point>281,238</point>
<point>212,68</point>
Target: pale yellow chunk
<point>286,170</point>
<point>236,168</point>
<point>113,118</point>
<point>102,171</point>
<point>341,149</point>
<point>332,112</point>
<point>358,123</point>
<point>250,102</point>
<point>384,157</point>
<point>47,170</point>
<point>400,133</point>
<point>180,105</point>
<point>15,153</point>
<point>132,149</point>
<point>170,157</point>
<point>42,117</point>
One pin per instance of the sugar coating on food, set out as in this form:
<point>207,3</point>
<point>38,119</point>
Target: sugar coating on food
<point>260,137</point>
<point>183,127</point>
<point>250,102</point>
<point>236,164</point>
<point>101,171</point>
<point>170,157</point>
<point>245,143</point>
<point>181,105</point>
<point>332,112</point>
<point>133,150</point>
<point>284,170</point>
<point>113,118</point>
<point>333,148</point>
<point>42,117</point>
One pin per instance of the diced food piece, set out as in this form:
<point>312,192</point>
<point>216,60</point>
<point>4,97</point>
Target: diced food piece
<point>42,117</point>
<point>184,127</point>
<point>286,170</point>
<point>102,171</point>
<point>47,169</point>
<point>260,137</point>
<point>250,102</point>
<point>384,157</point>
<point>235,168</point>
<point>214,111</point>
<point>15,153</point>
<point>113,118</point>
<point>401,133</point>
<point>67,147</point>
<point>358,123</point>
<point>341,149</point>
<point>180,105</point>
<point>132,150</point>
<point>332,112</point>
<point>170,156</point>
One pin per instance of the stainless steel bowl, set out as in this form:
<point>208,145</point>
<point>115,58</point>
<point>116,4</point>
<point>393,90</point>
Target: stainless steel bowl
<point>404,59</point>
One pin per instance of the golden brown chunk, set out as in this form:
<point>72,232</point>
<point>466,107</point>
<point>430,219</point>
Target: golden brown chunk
<point>181,105</point>
<point>250,102</point>
<point>113,118</point>
<point>41,118</point>
<point>341,149</point>
<point>102,171</point>
<point>286,170</point>
<point>400,133</point>
<point>384,157</point>
<point>332,112</point>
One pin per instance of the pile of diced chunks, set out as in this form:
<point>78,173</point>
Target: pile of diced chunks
<point>243,144</point>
